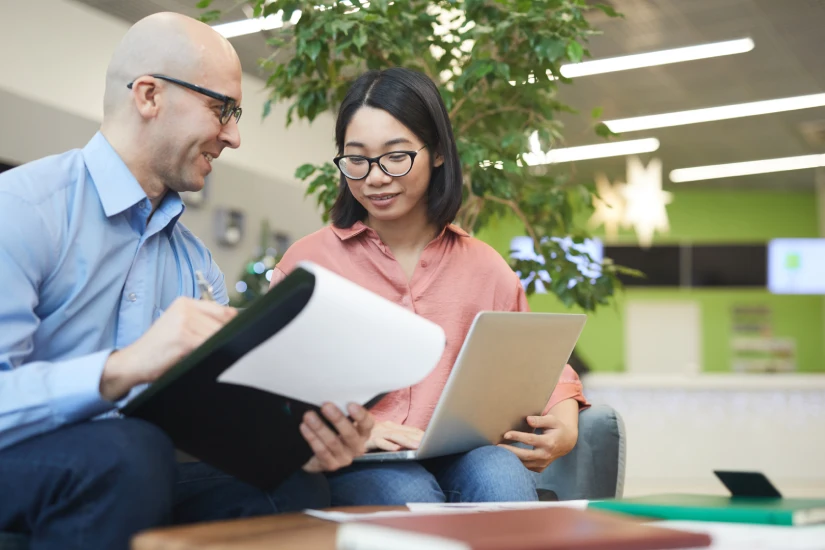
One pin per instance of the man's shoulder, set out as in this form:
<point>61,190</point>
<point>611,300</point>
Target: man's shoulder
<point>192,243</point>
<point>40,180</point>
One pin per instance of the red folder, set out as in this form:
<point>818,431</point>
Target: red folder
<point>532,529</point>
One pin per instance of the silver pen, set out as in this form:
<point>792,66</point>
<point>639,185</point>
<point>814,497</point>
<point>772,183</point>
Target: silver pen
<point>204,286</point>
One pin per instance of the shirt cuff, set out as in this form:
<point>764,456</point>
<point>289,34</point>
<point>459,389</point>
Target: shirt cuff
<point>569,387</point>
<point>74,388</point>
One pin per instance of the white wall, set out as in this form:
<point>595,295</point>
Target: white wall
<point>55,52</point>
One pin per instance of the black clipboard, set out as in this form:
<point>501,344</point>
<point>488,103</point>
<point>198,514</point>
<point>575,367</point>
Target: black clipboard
<point>248,433</point>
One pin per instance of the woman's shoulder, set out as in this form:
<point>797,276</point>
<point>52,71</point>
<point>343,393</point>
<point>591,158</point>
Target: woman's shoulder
<point>480,256</point>
<point>319,244</point>
<point>321,237</point>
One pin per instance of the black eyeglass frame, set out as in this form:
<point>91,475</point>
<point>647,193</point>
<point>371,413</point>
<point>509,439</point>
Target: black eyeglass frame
<point>376,160</point>
<point>230,104</point>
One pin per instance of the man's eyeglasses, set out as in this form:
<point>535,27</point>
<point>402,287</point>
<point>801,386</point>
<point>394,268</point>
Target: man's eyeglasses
<point>394,163</point>
<point>230,104</point>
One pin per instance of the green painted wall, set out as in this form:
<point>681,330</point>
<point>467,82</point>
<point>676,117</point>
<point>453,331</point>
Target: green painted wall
<point>707,216</point>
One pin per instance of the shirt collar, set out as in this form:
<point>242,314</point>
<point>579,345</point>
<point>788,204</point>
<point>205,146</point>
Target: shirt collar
<point>116,185</point>
<point>345,233</point>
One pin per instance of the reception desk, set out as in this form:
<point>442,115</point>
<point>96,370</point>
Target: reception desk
<point>681,428</point>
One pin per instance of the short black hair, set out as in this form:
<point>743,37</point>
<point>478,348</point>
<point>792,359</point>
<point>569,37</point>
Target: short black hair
<point>413,99</point>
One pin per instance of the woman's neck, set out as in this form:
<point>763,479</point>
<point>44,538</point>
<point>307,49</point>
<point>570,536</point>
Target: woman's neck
<point>410,233</point>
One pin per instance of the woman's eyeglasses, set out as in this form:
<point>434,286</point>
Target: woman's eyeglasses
<point>394,163</point>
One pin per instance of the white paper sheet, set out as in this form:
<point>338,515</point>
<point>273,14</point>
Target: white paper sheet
<point>346,517</point>
<point>347,345</point>
<point>437,509</point>
<point>742,536</point>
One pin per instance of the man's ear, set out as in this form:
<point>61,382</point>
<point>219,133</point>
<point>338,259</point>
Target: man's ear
<point>146,96</point>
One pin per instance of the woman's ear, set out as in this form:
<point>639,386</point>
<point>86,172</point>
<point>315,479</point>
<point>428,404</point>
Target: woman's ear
<point>438,160</point>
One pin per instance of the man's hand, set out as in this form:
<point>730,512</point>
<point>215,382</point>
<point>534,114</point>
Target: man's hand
<point>332,451</point>
<point>182,328</point>
<point>560,431</point>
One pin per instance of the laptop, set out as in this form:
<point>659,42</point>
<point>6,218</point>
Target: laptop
<point>506,370</point>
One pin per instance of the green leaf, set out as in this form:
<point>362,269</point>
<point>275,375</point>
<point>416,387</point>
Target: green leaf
<point>608,10</point>
<point>360,38</point>
<point>209,16</point>
<point>603,131</point>
<point>596,113</point>
<point>304,171</point>
<point>203,4</point>
<point>313,49</point>
<point>574,51</point>
<point>551,49</point>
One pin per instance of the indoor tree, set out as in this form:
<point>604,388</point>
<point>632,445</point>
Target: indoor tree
<point>497,65</point>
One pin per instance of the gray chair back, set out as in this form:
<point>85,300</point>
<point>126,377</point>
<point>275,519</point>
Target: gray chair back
<point>595,468</point>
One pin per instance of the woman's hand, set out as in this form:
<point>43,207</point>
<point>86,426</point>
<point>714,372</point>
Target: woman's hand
<point>335,451</point>
<point>389,436</point>
<point>559,433</point>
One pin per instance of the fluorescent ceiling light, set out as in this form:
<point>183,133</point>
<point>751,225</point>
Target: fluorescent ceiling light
<point>249,26</point>
<point>584,152</point>
<point>274,21</point>
<point>746,168</point>
<point>662,57</point>
<point>709,114</point>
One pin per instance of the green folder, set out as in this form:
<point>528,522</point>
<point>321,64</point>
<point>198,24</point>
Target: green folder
<point>774,511</point>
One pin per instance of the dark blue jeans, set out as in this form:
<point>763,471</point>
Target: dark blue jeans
<point>486,474</point>
<point>94,485</point>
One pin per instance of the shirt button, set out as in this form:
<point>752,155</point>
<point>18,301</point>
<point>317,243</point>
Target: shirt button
<point>423,264</point>
<point>141,205</point>
<point>132,297</point>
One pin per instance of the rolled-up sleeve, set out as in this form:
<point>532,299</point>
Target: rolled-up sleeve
<point>569,385</point>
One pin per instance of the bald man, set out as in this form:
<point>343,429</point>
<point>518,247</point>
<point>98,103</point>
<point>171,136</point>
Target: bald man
<point>99,299</point>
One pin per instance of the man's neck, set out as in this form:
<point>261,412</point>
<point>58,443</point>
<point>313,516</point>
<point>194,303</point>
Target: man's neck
<point>153,187</point>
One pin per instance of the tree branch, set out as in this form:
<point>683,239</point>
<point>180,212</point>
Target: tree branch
<point>466,126</point>
<point>521,216</point>
<point>461,101</point>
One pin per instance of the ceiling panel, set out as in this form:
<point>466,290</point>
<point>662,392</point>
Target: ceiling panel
<point>787,60</point>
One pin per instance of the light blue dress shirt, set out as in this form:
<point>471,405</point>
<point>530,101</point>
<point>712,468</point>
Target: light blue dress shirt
<point>83,271</point>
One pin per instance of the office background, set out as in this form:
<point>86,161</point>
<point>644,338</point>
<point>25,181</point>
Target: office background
<point>674,381</point>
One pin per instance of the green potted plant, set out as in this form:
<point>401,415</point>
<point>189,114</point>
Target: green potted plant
<point>496,63</point>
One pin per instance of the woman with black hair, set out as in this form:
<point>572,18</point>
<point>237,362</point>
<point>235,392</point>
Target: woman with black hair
<point>391,232</point>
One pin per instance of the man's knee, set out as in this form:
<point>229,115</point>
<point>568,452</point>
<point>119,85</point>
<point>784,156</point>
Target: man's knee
<point>128,458</point>
<point>101,480</point>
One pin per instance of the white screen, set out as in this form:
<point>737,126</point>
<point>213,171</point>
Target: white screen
<point>522,249</point>
<point>796,266</point>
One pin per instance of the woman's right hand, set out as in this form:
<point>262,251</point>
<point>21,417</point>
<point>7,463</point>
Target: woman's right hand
<point>389,436</point>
